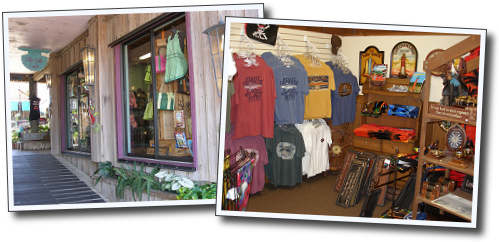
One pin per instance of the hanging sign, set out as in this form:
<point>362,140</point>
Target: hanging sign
<point>34,60</point>
<point>368,58</point>
<point>404,60</point>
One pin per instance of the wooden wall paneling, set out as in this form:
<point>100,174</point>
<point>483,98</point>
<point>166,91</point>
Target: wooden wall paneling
<point>94,92</point>
<point>107,112</point>
<point>55,118</point>
<point>198,81</point>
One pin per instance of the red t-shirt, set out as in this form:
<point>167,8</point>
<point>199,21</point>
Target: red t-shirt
<point>253,102</point>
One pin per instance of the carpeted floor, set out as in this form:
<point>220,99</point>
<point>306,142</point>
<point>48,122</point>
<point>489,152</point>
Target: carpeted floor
<point>314,196</point>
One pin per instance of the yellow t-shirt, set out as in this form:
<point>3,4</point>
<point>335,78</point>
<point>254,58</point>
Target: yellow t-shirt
<point>321,82</point>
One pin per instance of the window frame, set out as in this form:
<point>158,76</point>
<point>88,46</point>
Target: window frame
<point>65,113</point>
<point>120,79</point>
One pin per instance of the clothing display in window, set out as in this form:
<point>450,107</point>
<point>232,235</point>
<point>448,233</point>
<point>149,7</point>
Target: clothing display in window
<point>253,101</point>
<point>321,82</point>
<point>317,138</point>
<point>34,108</point>
<point>251,144</point>
<point>176,63</point>
<point>291,85</point>
<point>344,98</point>
<point>285,152</point>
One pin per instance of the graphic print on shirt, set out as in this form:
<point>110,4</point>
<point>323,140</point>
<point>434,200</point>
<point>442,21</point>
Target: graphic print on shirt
<point>318,83</point>
<point>253,89</point>
<point>288,86</point>
<point>285,150</point>
<point>345,89</point>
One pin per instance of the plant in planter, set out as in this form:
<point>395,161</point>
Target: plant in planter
<point>138,181</point>
<point>206,191</point>
<point>106,169</point>
<point>172,182</point>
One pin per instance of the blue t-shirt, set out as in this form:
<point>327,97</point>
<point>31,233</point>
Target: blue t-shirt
<point>291,85</point>
<point>344,98</point>
<point>272,60</point>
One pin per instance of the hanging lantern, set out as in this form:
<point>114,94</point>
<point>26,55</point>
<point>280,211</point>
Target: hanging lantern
<point>88,55</point>
<point>216,38</point>
<point>48,80</point>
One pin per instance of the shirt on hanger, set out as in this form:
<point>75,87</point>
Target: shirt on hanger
<point>253,102</point>
<point>250,144</point>
<point>321,82</point>
<point>344,98</point>
<point>317,138</point>
<point>285,152</point>
<point>291,85</point>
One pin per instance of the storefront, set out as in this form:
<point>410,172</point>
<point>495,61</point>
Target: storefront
<point>151,99</point>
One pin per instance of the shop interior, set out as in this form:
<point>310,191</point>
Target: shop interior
<point>351,122</point>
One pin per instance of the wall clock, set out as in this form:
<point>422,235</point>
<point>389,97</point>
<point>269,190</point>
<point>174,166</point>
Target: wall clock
<point>456,137</point>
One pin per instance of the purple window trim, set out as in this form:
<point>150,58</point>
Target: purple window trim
<point>119,108</point>
<point>63,112</point>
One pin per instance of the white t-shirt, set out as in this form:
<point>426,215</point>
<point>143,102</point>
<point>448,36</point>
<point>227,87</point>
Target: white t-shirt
<point>317,138</point>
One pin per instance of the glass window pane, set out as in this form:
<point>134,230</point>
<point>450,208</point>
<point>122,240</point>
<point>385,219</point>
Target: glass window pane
<point>139,117</point>
<point>173,92</point>
<point>78,117</point>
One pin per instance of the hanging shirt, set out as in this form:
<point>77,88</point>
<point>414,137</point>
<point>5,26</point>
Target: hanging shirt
<point>253,102</point>
<point>321,82</point>
<point>285,152</point>
<point>250,144</point>
<point>291,85</point>
<point>344,98</point>
<point>34,108</point>
<point>273,60</point>
<point>317,137</point>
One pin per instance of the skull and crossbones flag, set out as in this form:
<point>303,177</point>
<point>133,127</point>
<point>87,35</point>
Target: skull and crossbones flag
<point>265,33</point>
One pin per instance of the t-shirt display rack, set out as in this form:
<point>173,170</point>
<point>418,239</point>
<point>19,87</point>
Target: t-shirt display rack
<point>287,139</point>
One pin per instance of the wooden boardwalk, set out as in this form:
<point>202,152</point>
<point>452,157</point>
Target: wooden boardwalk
<point>40,179</point>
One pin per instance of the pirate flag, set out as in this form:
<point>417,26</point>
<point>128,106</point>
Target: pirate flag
<point>265,33</point>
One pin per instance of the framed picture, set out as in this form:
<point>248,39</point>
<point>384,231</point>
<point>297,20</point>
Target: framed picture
<point>404,60</point>
<point>370,57</point>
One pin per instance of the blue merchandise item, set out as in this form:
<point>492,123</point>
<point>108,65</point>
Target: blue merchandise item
<point>403,110</point>
<point>291,84</point>
<point>344,98</point>
<point>273,60</point>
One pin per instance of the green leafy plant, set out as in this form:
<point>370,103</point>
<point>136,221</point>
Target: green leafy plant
<point>172,182</point>
<point>15,136</point>
<point>206,191</point>
<point>106,169</point>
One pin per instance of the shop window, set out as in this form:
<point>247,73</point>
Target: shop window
<point>77,115</point>
<point>156,102</point>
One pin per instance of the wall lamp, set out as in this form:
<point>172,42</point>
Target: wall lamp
<point>88,55</point>
<point>216,38</point>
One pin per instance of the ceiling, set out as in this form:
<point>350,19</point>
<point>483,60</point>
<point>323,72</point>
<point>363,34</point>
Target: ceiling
<point>361,32</point>
<point>42,33</point>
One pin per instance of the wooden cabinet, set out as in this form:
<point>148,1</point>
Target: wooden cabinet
<point>375,93</point>
<point>429,117</point>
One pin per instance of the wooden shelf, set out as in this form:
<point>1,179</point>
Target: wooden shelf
<point>458,193</point>
<point>444,162</point>
<point>393,94</point>
<point>433,112</point>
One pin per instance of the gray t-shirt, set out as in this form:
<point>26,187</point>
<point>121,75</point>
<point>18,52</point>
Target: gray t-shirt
<point>291,84</point>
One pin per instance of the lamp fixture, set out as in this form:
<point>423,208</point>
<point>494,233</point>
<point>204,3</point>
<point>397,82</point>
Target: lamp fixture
<point>215,39</point>
<point>88,55</point>
<point>48,80</point>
